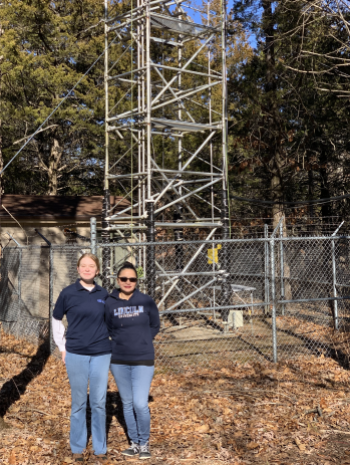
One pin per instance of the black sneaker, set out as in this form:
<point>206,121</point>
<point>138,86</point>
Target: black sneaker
<point>144,452</point>
<point>133,450</point>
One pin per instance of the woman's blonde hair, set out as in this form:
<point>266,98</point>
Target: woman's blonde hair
<point>93,257</point>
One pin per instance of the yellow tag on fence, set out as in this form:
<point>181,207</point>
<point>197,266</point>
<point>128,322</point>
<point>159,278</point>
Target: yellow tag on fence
<point>213,254</point>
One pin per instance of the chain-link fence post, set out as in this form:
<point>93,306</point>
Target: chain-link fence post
<point>51,341</point>
<point>267,262</point>
<point>282,266</point>
<point>335,306</point>
<point>334,270</point>
<point>273,297</point>
<point>93,234</point>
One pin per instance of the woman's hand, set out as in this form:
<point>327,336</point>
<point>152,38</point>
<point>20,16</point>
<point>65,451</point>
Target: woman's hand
<point>63,356</point>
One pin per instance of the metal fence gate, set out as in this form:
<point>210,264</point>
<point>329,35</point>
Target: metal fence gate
<point>288,295</point>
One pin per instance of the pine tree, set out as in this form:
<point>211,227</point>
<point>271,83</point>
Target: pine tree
<point>290,138</point>
<point>45,51</point>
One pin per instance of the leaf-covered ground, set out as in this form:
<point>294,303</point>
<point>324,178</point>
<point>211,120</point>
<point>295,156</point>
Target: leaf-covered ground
<point>293,413</point>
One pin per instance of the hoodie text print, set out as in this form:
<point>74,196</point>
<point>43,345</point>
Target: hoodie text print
<point>128,312</point>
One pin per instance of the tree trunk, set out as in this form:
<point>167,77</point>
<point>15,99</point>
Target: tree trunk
<point>276,191</point>
<point>1,157</point>
<point>311,191</point>
<point>52,169</point>
<point>311,196</point>
<point>277,210</point>
<point>268,27</point>
<point>326,207</point>
<point>273,120</point>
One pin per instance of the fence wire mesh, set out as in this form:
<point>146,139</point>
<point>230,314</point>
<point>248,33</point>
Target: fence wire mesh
<point>24,291</point>
<point>312,292</point>
<point>287,296</point>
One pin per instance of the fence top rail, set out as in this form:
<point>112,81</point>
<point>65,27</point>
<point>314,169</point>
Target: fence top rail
<point>220,241</point>
<point>25,247</point>
<point>159,243</point>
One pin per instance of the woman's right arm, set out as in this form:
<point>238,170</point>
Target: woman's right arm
<point>58,331</point>
<point>58,328</point>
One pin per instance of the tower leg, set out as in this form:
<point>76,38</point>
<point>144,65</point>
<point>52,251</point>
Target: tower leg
<point>178,233</point>
<point>150,253</point>
<point>106,253</point>
<point>179,257</point>
<point>225,260</point>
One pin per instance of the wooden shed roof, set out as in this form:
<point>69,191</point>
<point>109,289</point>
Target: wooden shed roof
<point>55,207</point>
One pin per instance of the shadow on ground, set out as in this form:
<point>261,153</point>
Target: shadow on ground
<point>12,390</point>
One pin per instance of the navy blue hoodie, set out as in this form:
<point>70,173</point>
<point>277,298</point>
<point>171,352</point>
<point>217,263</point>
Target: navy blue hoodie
<point>132,324</point>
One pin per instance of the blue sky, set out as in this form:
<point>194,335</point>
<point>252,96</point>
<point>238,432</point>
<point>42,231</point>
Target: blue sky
<point>197,17</point>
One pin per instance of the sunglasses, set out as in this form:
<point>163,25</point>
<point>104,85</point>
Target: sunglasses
<point>123,279</point>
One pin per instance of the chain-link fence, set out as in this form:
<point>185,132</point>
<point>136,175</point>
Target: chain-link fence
<point>266,298</point>
<point>24,291</point>
<point>78,233</point>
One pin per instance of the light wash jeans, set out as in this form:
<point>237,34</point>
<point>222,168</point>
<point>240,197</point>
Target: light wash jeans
<point>81,370</point>
<point>134,383</point>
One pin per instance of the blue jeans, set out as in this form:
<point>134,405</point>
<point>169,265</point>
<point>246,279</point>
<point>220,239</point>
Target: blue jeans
<point>81,369</point>
<point>133,384</point>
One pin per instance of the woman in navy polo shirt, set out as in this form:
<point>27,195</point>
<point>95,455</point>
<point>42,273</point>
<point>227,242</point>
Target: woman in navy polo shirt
<point>86,351</point>
<point>133,322</point>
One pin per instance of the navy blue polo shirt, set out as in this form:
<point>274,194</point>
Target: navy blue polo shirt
<point>87,332</point>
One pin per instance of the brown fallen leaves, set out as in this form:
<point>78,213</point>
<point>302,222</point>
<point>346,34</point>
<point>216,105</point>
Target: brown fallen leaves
<point>301,446</point>
<point>12,458</point>
<point>294,413</point>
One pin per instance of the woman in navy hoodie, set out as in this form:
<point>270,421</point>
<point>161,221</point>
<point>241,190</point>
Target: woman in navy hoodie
<point>133,322</point>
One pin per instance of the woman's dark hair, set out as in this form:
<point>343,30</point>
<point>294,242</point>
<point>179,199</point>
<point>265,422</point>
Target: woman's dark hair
<point>126,266</point>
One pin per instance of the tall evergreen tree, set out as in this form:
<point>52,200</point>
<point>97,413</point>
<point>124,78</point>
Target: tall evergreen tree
<point>289,137</point>
<point>45,51</point>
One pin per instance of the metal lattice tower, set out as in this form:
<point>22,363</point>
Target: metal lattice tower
<point>169,118</point>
